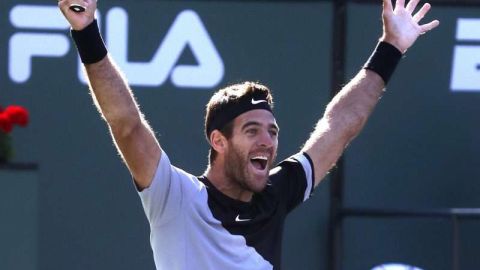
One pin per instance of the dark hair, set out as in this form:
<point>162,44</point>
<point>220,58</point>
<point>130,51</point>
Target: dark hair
<point>231,101</point>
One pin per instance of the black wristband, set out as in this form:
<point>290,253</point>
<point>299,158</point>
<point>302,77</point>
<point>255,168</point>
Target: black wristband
<point>384,60</point>
<point>89,42</point>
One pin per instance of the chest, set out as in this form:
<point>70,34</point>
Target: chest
<point>260,222</point>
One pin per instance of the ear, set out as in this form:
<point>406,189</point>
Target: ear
<point>218,141</point>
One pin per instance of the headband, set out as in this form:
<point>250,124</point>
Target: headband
<point>229,111</point>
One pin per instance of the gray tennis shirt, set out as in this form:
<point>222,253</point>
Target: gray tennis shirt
<point>195,226</point>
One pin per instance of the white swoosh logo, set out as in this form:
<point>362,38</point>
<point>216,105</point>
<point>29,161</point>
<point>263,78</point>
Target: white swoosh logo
<point>255,102</point>
<point>238,219</point>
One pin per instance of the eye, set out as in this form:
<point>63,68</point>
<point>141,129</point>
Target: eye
<point>251,131</point>
<point>273,132</point>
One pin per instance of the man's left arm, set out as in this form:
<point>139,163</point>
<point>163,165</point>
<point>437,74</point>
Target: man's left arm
<point>349,110</point>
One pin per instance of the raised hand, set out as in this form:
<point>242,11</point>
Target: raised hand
<point>78,20</point>
<point>401,27</point>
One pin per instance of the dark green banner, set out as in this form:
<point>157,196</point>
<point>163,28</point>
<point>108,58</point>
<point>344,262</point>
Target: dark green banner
<point>175,54</point>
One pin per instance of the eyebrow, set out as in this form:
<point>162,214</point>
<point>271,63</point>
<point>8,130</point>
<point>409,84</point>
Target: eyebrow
<point>255,123</point>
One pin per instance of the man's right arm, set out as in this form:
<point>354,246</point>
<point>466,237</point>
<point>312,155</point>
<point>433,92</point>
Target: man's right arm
<point>131,133</point>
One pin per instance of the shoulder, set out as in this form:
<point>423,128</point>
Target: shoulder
<point>298,165</point>
<point>293,179</point>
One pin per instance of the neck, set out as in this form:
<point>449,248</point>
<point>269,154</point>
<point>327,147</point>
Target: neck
<point>216,175</point>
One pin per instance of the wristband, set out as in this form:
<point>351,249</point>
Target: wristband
<point>89,42</point>
<point>384,60</point>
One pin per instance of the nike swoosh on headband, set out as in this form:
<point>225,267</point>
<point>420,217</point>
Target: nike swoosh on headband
<point>255,102</point>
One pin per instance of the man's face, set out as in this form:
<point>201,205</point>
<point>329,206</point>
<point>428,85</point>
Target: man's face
<point>252,149</point>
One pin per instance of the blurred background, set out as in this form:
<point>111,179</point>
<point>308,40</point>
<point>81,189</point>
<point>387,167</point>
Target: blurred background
<point>406,191</point>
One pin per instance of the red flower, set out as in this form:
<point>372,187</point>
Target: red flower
<point>6,125</point>
<point>17,114</point>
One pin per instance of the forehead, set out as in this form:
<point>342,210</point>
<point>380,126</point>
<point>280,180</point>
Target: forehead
<point>260,116</point>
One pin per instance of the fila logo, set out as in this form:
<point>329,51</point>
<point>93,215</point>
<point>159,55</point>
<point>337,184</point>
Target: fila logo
<point>186,30</point>
<point>466,57</point>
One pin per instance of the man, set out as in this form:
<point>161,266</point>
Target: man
<point>232,217</point>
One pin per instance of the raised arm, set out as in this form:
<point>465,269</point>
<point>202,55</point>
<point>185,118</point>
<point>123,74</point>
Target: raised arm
<point>132,135</point>
<point>349,110</point>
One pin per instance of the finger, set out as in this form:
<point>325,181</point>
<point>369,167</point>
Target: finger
<point>62,4</point>
<point>400,4</point>
<point>387,6</point>
<point>429,26</point>
<point>412,4</point>
<point>421,13</point>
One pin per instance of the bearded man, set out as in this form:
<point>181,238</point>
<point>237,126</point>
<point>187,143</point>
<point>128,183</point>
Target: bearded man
<point>232,217</point>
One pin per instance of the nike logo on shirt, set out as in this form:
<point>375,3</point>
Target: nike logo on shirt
<point>238,219</point>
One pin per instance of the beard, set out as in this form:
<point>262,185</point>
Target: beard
<point>237,168</point>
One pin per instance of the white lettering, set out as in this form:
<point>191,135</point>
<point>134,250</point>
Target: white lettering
<point>466,68</point>
<point>466,58</point>
<point>24,46</point>
<point>37,17</point>
<point>468,29</point>
<point>186,30</point>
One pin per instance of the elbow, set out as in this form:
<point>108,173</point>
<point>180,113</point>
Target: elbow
<point>123,125</point>
<point>358,121</point>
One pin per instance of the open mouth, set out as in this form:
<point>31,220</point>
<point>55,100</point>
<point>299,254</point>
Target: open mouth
<point>259,162</point>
